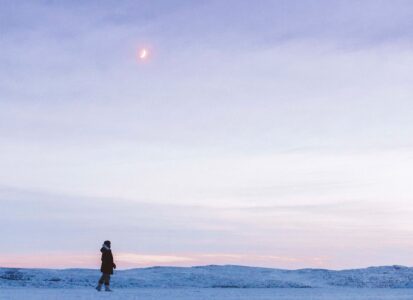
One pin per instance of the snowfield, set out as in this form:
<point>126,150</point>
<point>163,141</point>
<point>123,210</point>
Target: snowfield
<point>207,294</point>
<point>210,282</point>
<point>212,277</point>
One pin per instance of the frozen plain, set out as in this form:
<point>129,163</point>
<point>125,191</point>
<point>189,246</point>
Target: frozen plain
<point>208,294</point>
<point>211,283</point>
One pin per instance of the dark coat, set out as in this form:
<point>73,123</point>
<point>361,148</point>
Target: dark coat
<point>107,261</point>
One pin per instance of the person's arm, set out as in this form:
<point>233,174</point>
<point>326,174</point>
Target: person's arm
<point>113,263</point>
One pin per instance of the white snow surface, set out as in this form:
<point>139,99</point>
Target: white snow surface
<point>206,294</point>
<point>228,277</point>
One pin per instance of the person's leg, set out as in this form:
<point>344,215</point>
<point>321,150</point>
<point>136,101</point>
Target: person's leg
<point>107,279</point>
<point>100,282</point>
<point>102,278</point>
<point>107,282</point>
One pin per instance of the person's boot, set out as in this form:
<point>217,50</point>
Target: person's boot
<point>99,287</point>
<point>107,289</point>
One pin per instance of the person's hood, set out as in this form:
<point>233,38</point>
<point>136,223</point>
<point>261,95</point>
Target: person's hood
<point>104,248</point>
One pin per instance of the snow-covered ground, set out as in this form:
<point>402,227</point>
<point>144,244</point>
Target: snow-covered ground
<point>207,294</point>
<point>212,277</point>
<point>211,283</point>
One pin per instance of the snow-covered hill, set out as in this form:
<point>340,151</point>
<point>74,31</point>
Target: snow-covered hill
<point>213,276</point>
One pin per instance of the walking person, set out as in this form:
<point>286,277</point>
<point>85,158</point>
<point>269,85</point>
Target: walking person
<point>107,267</point>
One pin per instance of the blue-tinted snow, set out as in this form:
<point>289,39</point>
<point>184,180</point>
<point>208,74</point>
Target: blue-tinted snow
<point>213,277</point>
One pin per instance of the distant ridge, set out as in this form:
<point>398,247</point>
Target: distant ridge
<point>213,276</point>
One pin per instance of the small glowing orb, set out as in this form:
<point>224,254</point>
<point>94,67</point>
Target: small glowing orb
<point>143,54</point>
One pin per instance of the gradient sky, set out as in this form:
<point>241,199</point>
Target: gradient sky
<point>268,133</point>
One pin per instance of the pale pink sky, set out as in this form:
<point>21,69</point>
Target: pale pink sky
<point>270,133</point>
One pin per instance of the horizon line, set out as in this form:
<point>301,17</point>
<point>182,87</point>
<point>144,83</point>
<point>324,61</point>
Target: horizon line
<point>215,265</point>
